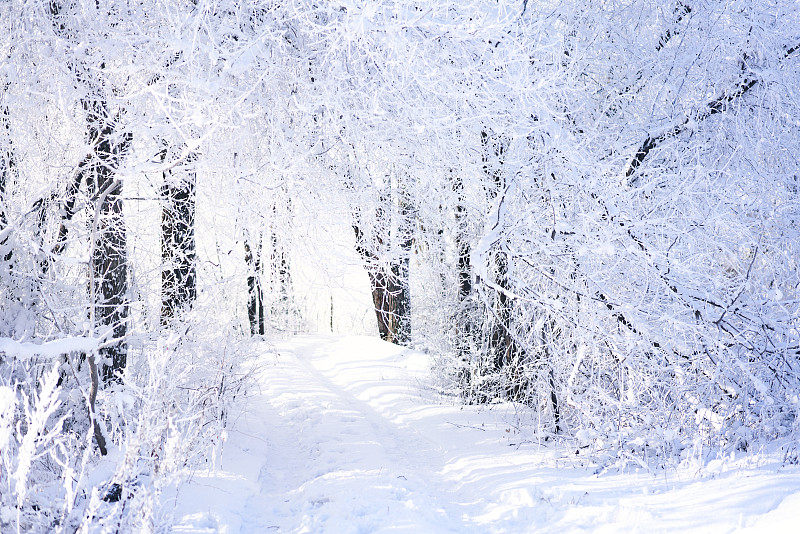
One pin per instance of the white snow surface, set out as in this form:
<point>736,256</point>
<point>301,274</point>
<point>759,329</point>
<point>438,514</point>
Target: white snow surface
<point>344,437</point>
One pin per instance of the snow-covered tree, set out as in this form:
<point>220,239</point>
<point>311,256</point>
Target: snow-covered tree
<point>588,208</point>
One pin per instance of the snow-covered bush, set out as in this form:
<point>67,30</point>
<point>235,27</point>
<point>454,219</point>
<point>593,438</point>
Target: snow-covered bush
<point>165,418</point>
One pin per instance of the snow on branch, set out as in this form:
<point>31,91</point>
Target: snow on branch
<point>51,349</point>
<point>713,107</point>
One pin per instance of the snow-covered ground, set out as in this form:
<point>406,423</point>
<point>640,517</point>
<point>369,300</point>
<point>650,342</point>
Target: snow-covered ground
<point>343,437</point>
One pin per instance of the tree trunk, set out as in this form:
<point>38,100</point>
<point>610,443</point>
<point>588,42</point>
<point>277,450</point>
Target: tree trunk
<point>6,168</point>
<point>178,252</point>
<point>464,326</point>
<point>377,281</point>
<point>400,272</point>
<point>391,294</point>
<point>279,259</point>
<point>501,345</point>
<point>109,261</point>
<point>255,302</point>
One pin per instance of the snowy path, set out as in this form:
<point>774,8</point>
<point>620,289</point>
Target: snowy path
<point>341,439</point>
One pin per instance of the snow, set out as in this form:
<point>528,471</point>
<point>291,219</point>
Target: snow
<point>50,349</point>
<point>344,436</point>
<point>8,403</point>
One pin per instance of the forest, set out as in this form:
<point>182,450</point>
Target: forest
<point>589,210</point>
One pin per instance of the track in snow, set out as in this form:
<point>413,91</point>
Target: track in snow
<point>334,464</point>
<point>342,439</point>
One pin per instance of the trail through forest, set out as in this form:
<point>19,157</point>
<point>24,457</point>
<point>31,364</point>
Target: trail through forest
<point>345,436</point>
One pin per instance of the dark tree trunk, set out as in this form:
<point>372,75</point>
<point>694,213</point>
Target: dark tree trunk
<point>464,326</point>
<point>501,342</point>
<point>402,302</point>
<point>377,282</point>
<point>178,252</point>
<point>554,401</point>
<point>6,168</point>
<point>382,300</point>
<point>502,347</point>
<point>109,261</point>
<point>391,294</point>
<point>401,289</point>
<point>255,302</point>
